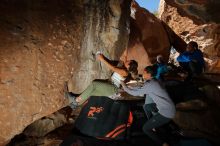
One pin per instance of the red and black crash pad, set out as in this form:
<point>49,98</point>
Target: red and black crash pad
<point>104,118</point>
<point>105,122</point>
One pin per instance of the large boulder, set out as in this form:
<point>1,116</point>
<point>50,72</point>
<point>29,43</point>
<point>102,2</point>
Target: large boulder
<point>106,26</point>
<point>45,43</point>
<point>200,118</point>
<point>148,38</point>
<point>198,21</point>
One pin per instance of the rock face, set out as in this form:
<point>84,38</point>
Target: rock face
<point>200,11</point>
<point>148,38</point>
<point>198,21</point>
<point>43,44</point>
<point>203,122</point>
<point>106,26</point>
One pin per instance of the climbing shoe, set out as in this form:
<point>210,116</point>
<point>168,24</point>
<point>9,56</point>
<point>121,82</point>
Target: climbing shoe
<point>72,99</point>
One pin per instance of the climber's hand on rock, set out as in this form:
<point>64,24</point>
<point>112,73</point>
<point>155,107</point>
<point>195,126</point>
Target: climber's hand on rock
<point>100,57</point>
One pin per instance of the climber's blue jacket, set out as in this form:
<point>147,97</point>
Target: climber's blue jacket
<point>195,56</point>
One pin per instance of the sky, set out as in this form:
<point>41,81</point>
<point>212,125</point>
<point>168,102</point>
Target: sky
<point>151,5</point>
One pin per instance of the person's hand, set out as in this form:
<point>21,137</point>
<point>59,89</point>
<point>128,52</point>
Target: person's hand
<point>100,57</point>
<point>123,83</point>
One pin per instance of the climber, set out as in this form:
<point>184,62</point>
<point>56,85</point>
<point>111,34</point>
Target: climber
<point>106,88</point>
<point>158,106</point>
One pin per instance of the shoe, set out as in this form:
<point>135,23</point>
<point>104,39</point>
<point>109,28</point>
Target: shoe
<point>72,99</point>
<point>74,105</point>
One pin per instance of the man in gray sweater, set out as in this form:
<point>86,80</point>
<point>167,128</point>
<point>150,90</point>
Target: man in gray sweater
<point>158,106</point>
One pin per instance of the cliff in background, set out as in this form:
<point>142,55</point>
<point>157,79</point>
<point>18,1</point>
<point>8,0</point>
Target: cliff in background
<point>196,20</point>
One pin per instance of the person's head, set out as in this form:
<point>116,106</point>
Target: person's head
<point>160,59</point>
<point>131,66</point>
<point>191,46</point>
<point>149,72</point>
